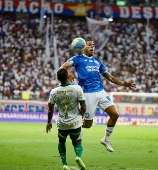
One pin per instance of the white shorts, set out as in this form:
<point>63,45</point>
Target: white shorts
<point>100,99</point>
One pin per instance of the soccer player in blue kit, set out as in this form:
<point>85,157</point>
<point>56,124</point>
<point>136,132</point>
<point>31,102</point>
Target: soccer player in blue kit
<point>89,70</point>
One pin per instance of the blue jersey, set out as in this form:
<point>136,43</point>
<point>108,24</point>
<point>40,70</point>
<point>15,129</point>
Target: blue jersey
<point>88,70</point>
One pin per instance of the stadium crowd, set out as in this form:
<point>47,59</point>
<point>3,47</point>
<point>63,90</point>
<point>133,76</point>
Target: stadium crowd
<point>111,2</point>
<point>24,68</point>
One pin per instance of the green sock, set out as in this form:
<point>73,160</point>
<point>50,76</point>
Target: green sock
<point>62,152</point>
<point>78,150</point>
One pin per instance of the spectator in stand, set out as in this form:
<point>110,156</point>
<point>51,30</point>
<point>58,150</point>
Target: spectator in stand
<point>22,50</point>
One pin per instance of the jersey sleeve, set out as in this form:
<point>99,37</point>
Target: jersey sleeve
<point>102,68</point>
<point>51,97</point>
<point>73,60</point>
<point>80,94</point>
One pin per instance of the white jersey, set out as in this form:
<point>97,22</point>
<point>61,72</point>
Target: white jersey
<point>67,100</point>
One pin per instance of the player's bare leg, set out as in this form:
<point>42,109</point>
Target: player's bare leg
<point>112,112</point>
<point>87,123</point>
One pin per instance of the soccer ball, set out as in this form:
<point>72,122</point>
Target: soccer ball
<point>78,44</point>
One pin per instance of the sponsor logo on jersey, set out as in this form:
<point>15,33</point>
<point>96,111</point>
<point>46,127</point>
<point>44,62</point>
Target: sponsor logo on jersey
<point>92,68</point>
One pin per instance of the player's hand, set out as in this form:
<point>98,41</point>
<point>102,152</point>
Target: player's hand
<point>71,76</point>
<point>48,127</point>
<point>131,84</point>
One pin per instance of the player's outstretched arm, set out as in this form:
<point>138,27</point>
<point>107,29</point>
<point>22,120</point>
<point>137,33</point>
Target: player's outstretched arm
<point>67,65</point>
<point>115,80</point>
<point>131,84</point>
<point>50,115</point>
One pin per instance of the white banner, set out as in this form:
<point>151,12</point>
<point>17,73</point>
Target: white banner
<point>137,109</point>
<point>99,32</point>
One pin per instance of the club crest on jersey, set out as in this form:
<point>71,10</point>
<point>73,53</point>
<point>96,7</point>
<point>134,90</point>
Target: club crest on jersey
<point>86,115</point>
<point>70,61</point>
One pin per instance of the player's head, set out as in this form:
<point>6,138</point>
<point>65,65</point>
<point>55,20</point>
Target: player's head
<point>90,47</point>
<point>62,75</point>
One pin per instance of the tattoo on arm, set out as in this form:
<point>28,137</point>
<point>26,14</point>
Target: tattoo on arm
<point>113,79</point>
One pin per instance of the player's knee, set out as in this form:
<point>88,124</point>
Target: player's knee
<point>114,116</point>
<point>75,142</point>
<point>112,112</point>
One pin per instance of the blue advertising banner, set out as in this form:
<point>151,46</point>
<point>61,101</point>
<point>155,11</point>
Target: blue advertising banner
<point>129,120</point>
<point>23,106</point>
<point>16,116</point>
<point>36,111</point>
<point>90,10</point>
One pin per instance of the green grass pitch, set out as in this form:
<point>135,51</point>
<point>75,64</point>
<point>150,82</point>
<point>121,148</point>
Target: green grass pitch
<point>26,146</point>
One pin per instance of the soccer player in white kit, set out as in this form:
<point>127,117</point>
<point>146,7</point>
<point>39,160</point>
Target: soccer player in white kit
<point>89,70</point>
<point>71,106</point>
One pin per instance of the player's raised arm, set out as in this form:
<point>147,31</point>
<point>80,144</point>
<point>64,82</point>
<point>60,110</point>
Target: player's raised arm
<point>115,80</point>
<point>67,65</point>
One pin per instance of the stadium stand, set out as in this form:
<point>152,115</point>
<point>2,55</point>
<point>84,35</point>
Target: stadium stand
<point>22,54</point>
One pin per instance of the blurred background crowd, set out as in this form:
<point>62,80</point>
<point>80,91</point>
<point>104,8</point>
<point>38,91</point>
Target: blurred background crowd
<point>23,67</point>
<point>111,2</point>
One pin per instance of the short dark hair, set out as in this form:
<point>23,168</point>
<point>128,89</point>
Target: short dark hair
<point>89,39</point>
<point>62,75</point>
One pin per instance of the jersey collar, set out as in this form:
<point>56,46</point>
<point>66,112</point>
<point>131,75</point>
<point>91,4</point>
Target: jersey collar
<point>87,56</point>
<point>63,85</point>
